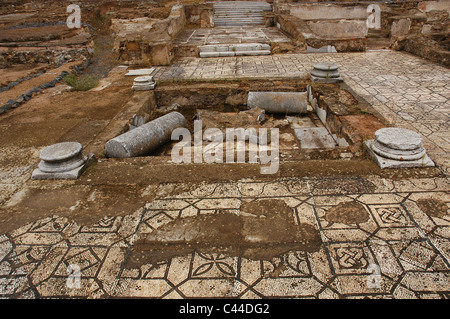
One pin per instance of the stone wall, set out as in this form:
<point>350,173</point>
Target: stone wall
<point>313,11</point>
<point>147,41</point>
<point>424,31</point>
<point>199,15</point>
<point>51,56</point>
<point>321,24</point>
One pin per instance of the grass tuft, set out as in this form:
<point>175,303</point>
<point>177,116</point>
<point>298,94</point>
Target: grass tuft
<point>81,83</point>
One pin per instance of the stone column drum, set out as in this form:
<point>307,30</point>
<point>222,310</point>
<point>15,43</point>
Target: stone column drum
<point>61,161</point>
<point>146,138</point>
<point>325,73</point>
<point>143,83</point>
<point>279,102</point>
<point>398,148</point>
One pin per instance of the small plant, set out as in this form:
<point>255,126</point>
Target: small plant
<point>81,83</point>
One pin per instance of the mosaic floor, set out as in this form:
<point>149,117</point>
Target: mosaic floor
<point>400,248</point>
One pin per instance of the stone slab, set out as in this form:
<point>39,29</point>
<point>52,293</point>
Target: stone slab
<point>383,162</point>
<point>248,53</point>
<point>314,138</point>
<point>140,72</point>
<point>324,49</point>
<point>215,54</point>
<point>300,122</point>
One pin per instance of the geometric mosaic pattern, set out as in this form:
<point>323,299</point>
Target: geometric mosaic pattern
<point>398,252</point>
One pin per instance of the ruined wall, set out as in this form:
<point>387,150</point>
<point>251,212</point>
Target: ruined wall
<point>424,31</point>
<point>321,24</point>
<point>147,41</point>
<point>199,15</point>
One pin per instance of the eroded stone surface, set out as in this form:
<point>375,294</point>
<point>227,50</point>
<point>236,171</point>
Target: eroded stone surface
<point>60,151</point>
<point>399,138</point>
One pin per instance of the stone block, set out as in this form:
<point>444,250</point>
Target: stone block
<point>400,27</point>
<point>342,29</point>
<point>140,72</point>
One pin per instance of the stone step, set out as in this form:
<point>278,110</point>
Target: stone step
<point>238,20</point>
<point>233,53</point>
<point>262,6</point>
<point>240,11</point>
<point>238,24</point>
<point>234,47</point>
<point>240,4</point>
<point>240,14</point>
<point>239,17</point>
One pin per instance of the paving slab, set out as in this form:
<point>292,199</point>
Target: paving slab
<point>314,138</point>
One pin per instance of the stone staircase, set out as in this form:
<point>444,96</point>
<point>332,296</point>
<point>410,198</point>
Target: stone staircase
<point>223,50</point>
<point>377,40</point>
<point>240,13</point>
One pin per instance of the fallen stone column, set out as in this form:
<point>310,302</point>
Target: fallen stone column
<point>279,102</point>
<point>145,138</point>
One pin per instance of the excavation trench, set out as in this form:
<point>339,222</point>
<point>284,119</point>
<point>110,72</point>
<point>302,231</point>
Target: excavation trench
<point>262,230</point>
